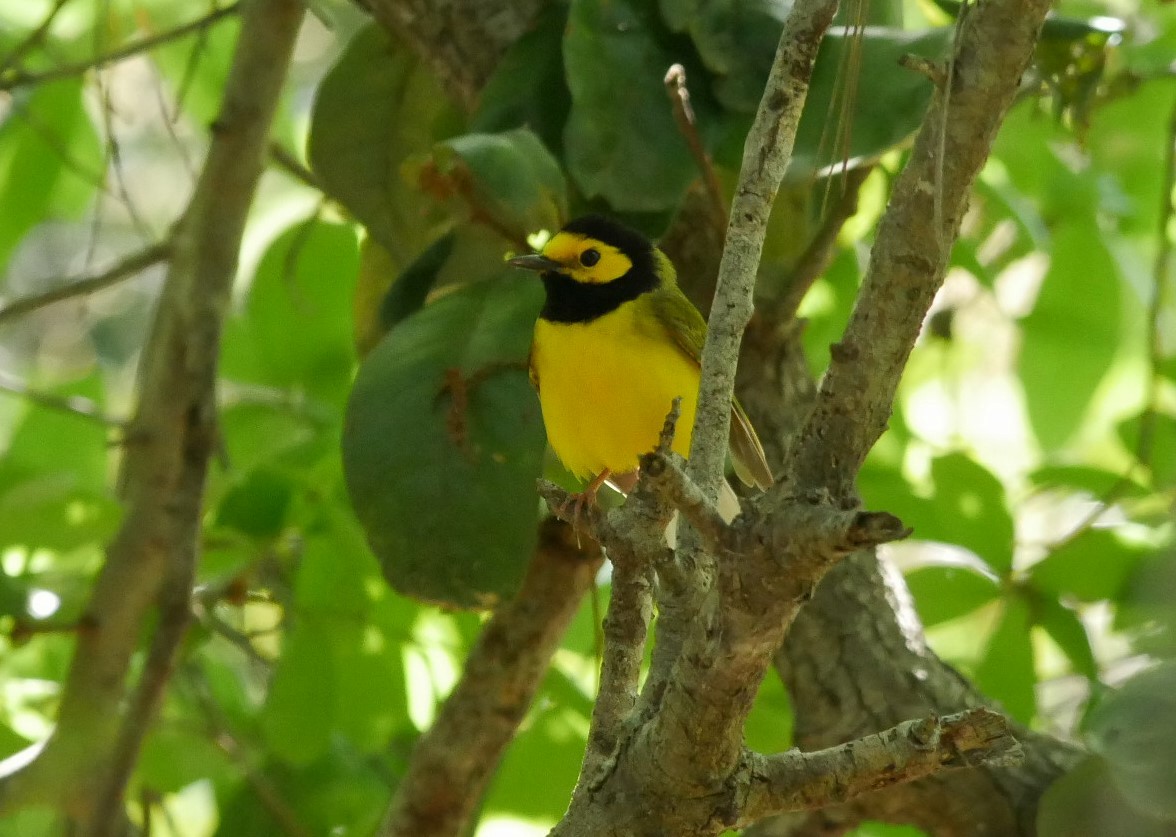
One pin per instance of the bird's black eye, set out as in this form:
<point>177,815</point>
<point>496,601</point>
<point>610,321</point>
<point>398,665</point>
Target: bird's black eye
<point>589,257</point>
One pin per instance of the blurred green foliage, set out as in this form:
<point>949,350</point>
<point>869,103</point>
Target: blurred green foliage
<point>1033,448</point>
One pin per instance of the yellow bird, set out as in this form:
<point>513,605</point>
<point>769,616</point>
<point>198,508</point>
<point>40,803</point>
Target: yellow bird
<point>616,342</point>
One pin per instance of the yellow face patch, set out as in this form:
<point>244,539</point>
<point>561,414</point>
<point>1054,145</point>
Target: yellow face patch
<point>575,253</point>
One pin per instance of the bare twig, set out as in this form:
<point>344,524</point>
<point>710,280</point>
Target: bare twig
<point>676,89</point>
<point>74,405</point>
<point>455,758</point>
<point>128,268</point>
<point>150,561</point>
<point>18,78</point>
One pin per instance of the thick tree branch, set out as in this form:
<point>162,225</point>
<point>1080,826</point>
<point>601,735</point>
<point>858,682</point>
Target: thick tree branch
<point>795,781</point>
<point>168,447</point>
<point>453,761</point>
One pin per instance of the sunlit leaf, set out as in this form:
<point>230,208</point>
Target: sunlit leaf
<point>1066,629</point>
<point>299,713</point>
<point>1091,567</point>
<point>51,162</point>
<point>1006,671</point>
<point>946,592</point>
<point>1072,335</point>
<point>296,330</point>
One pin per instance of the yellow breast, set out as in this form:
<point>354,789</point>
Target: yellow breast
<point>605,387</point>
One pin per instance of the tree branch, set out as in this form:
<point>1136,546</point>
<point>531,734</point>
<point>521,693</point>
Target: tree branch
<point>795,781</point>
<point>912,248</point>
<point>453,761</point>
<point>128,268</point>
<point>150,561</point>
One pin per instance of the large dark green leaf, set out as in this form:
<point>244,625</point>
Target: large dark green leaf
<point>376,107</point>
<point>443,480</point>
<point>621,142</point>
<point>50,161</point>
<point>1072,335</point>
<point>528,88</point>
<point>1086,801</point>
<point>1134,729</point>
<point>1145,607</point>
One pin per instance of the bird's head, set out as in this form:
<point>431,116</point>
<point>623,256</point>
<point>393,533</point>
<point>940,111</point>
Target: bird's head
<point>593,250</point>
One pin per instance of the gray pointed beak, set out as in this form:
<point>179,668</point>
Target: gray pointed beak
<point>535,262</point>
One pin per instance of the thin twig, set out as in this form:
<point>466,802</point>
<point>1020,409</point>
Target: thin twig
<point>18,78</point>
<point>290,164</point>
<point>816,258</point>
<point>74,405</point>
<point>675,82</point>
<point>128,268</point>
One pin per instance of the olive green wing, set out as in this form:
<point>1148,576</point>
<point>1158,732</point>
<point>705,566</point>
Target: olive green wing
<point>683,321</point>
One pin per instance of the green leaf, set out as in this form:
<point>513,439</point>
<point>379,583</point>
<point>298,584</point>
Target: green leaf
<point>1092,567</point>
<point>174,757</point>
<point>1072,334</point>
<point>1161,452</point>
<point>196,66</point>
<point>527,88</point>
<point>944,592</point>
<point>257,505</point>
<point>621,142</point>
<point>51,161</point>
<point>299,713</point>
<point>768,728</point>
<point>967,508</point>
<point>1095,481</point>
<point>508,178</point>
<point>443,482</point>
<point>296,330</point>
<point>411,288</point>
<point>553,739</point>
<point>377,107</point>
<point>1134,729</point>
<point>1086,800</point>
<point>1006,672</point>
<point>1066,629</point>
<point>1145,608</point>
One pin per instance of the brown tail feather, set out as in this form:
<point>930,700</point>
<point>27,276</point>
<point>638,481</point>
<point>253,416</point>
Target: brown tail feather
<point>747,454</point>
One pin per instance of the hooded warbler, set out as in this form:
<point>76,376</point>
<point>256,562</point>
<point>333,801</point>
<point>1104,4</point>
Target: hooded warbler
<point>615,343</point>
